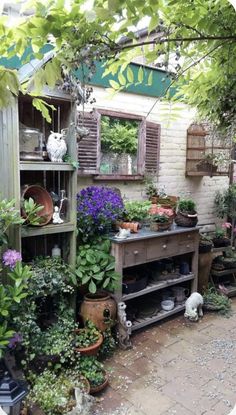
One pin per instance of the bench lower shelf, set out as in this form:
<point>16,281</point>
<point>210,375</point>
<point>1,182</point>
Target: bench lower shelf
<point>142,322</point>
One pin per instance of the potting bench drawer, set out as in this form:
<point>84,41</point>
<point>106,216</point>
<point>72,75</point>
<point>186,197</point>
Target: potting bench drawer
<point>161,248</point>
<point>134,254</point>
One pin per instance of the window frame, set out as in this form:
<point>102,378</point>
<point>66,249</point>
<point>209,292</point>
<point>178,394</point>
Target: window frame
<point>141,145</point>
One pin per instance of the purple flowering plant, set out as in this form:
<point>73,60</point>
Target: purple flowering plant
<point>11,257</point>
<point>97,208</point>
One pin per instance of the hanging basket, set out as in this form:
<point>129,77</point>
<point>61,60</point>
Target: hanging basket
<point>186,220</point>
<point>204,165</point>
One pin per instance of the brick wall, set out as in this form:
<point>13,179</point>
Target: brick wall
<point>171,175</point>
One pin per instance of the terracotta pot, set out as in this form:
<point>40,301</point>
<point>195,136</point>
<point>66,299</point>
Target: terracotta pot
<point>133,226</point>
<point>99,308</point>
<point>95,389</point>
<point>90,350</point>
<point>41,197</point>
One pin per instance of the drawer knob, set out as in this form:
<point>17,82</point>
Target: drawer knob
<point>135,252</point>
<point>164,246</point>
<point>188,246</point>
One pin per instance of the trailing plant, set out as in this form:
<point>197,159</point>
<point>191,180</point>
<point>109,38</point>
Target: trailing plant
<point>136,210</point>
<point>92,369</point>
<point>95,267</point>
<point>86,336</point>
<point>109,344</point>
<point>119,136</point>
<point>51,275</point>
<point>187,205</point>
<point>219,301</point>
<point>97,208</point>
<point>53,392</point>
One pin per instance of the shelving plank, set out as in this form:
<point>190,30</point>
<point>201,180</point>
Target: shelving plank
<point>139,323</point>
<point>229,271</point>
<point>28,231</point>
<point>155,286</point>
<point>45,166</point>
<point>223,248</point>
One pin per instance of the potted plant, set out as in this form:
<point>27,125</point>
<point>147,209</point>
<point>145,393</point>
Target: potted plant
<point>97,208</point>
<point>87,340</point>
<point>135,212</point>
<point>160,222</point>
<point>211,161</point>
<point>151,189</point>
<point>186,214</point>
<point>53,392</point>
<point>220,238</point>
<point>205,243</point>
<point>95,271</point>
<point>94,371</point>
<point>214,301</point>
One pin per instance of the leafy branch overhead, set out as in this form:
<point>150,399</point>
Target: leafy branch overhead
<point>194,41</point>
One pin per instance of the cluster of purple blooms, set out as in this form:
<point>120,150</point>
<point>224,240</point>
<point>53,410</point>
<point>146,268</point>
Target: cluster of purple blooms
<point>11,257</point>
<point>97,208</point>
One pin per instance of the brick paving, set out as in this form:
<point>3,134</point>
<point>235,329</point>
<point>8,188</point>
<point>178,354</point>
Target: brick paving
<point>175,368</point>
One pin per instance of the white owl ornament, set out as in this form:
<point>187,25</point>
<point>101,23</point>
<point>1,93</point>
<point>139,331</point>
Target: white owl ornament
<point>56,147</point>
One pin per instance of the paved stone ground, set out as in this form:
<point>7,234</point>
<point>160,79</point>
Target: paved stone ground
<point>175,368</point>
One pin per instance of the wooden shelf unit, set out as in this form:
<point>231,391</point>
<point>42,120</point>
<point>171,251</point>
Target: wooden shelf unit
<point>147,246</point>
<point>197,147</point>
<point>52,176</point>
<point>217,277</point>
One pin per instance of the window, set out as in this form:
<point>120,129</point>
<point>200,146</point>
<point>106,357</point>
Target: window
<point>119,146</point>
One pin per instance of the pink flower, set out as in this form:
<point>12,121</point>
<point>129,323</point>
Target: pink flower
<point>226,225</point>
<point>11,257</point>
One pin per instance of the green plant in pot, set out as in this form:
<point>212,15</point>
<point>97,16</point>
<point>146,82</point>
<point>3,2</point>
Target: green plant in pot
<point>94,371</point>
<point>88,340</point>
<point>216,302</point>
<point>160,222</point>
<point>220,238</point>
<point>135,213</point>
<point>186,214</point>
<point>205,243</point>
<point>53,392</point>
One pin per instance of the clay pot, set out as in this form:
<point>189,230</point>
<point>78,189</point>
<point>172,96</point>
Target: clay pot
<point>133,226</point>
<point>89,350</point>
<point>41,197</point>
<point>99,308</point>
<point>95,389</point>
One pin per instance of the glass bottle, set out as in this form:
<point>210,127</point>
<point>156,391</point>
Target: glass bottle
<point>63,209</point>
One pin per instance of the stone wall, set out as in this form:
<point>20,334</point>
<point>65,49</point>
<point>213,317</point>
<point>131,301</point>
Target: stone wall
<point>174,123</point>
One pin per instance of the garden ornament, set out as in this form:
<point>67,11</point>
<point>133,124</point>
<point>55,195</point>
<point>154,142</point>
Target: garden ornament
<point>56,146</point>
<point>193,307</point>
<point>123,233</point>
<point>124,327</point>
<point>56,216</point>
<point>84,403</point>
<point>233,412</point>
<point>2,412</point>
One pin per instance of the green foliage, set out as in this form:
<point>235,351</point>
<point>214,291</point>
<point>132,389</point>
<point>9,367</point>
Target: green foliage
<point>52,392</point>
<point>221,303</point>
<point>225,202</point>
<point>187,205</point>
<point>31,210</point>
<point>10,297</point>
<point>50,276</point>
<point>160,218</point>
<point>92,369</point>
<point>9,216</point>
<point>119,136</point>
<point>95,267</point>
<point>136,210</point>
<point>109,344</point>
<point>86,336</point>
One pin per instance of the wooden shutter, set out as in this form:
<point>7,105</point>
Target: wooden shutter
<point>153,133</point>
<point>88,147</point>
